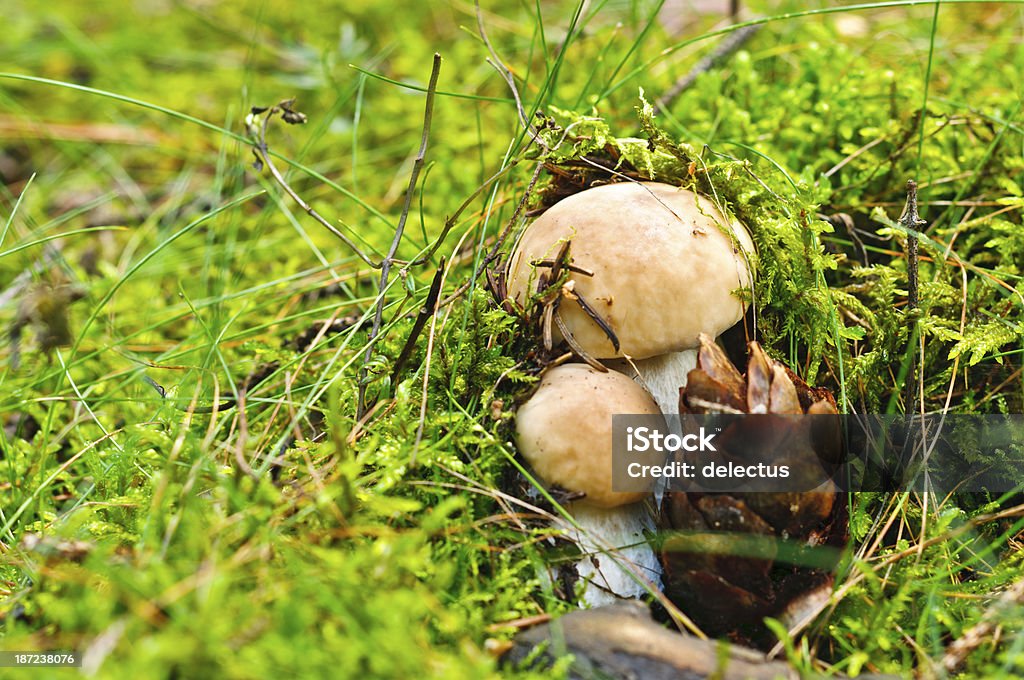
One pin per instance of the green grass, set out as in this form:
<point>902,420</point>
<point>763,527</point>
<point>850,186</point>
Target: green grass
<point>234,530</point>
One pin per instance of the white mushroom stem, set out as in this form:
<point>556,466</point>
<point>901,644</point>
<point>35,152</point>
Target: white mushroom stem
<point>665,375</point>
<point>565,432</point>
<point>662,376</point>
<point>615,552</point>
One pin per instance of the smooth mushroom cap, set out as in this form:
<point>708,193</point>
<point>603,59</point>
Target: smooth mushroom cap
<point>565,429</point>
<point>665,267</point>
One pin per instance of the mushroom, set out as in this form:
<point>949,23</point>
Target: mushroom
<point>565,433</point>
<point>652,267</point>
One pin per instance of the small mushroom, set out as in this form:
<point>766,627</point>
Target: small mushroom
<point>565,432</point>
<point>666,265</point>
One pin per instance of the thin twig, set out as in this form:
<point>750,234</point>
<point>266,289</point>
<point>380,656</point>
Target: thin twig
<point>385,268</point>
<point>912,222</point>
<point>596,317</point>
<point>571,267</point>
<point>574,345</point>
<point>532,132</point>
<point>495,250</point>
<point>449,223</point>
<point>426,375</point>
<point>243,436</point>
<point>506,75</point>
<point>263,158</point>
<point>426,311</point>
<point>732,43</point>
<point>975,636</point>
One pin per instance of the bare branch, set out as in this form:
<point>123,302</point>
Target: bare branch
<point>506,75</point>
<point>495,251</point>
<point>385,268</point>
<point>912,222</point>
<point>263,158</point>
<point>725,49</point>
<point>981,632</point>
<point>426,311</point>
<point>449,223</point>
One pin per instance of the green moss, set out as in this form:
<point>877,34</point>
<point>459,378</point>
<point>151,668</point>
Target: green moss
<point>381,546</point>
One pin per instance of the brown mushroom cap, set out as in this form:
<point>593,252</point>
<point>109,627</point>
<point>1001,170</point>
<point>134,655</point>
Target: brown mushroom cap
<point>565,429</point>
<point>665,267</point>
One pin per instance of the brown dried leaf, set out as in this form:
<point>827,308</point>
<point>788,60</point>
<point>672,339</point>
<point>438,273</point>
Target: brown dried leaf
<point>794,514</point>
<point>713,361</point>
<point>810,395</point>
<point>678,513</point>
<point>702,391</point>
<point>783,398</point>
<point>759,378</point>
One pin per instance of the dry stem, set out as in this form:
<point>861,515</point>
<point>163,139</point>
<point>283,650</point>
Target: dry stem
<point>389,259</point>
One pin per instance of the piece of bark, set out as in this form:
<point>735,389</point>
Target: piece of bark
<point>621,641</point>
<point>983,631</point>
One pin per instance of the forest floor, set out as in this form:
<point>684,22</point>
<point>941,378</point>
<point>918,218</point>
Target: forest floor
<point>215,462</point>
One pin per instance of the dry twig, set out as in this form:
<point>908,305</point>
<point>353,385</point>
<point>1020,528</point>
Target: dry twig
<point>725,49</point>
<point>264,159</point>
<point>426,311</point>
<point>912,222</point>
<point>389,259</point>
<point>975,636</point>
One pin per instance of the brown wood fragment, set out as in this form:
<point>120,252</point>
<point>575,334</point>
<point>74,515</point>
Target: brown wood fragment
<point>621,641</point>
